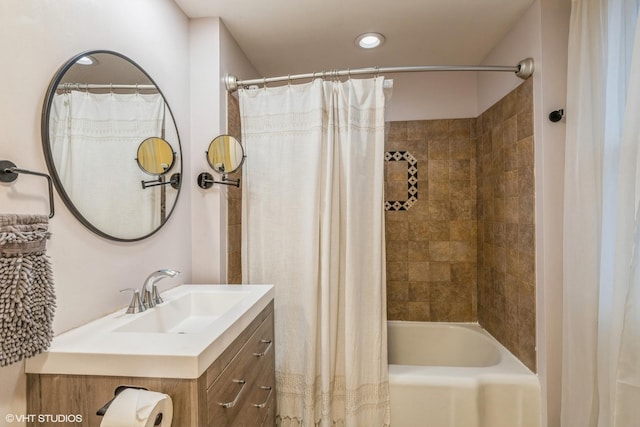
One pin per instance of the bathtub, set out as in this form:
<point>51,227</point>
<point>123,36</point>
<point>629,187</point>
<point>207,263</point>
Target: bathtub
<point>457,375</point>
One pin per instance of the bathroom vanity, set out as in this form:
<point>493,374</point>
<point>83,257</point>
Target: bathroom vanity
<point>216,363</point>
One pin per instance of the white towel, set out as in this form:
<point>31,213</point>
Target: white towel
<point>27,298</point>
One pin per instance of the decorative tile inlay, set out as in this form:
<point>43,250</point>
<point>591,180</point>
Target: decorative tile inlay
<point>412,180</point>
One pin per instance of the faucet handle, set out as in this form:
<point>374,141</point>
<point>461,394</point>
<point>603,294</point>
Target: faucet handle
<point>155,295</point>
<point>135,306</point>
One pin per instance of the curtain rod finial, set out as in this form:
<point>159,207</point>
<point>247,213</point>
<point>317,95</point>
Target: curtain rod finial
<point>231,82</point>
<point>525,68</point>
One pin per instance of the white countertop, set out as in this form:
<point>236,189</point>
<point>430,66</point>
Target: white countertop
<point>110,346</point>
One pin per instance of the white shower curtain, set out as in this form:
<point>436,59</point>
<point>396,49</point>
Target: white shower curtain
<point>601,318</point>
<point>313,225</point>
<point>94,140</point>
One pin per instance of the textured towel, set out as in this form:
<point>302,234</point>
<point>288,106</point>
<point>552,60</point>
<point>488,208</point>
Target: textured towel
<point>27,298</point>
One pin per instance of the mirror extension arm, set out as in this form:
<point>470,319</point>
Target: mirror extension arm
<point>205,180</point>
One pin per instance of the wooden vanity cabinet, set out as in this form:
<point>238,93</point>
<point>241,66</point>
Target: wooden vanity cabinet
<point>237,389</point>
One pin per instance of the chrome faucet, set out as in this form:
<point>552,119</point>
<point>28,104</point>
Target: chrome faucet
<point>150,295</point>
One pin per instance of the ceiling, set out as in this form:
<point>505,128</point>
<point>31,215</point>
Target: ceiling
<point>282,37</point>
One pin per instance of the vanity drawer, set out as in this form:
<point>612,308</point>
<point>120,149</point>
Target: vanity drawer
<point>232,396</point>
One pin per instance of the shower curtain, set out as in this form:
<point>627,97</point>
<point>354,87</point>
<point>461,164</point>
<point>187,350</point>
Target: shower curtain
<point>94,140</point>
<point>313,226</point>
<point>601,307</point>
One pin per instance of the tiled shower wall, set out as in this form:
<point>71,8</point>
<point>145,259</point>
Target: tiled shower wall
<point>464,249</point>
<point>506,227</point>
<point>431,245</point>
<point>234,202</point>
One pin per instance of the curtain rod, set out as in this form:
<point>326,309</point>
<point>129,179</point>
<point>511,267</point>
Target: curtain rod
<point>70,86</point>
<point>524,70</point>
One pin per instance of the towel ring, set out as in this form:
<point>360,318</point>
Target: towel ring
<point>9,173</point>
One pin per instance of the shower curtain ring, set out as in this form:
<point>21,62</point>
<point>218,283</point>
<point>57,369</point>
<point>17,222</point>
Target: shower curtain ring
<point>289,80</point>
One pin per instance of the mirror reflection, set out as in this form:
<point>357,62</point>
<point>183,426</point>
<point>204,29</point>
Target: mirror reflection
<point>225,154</point>
<point>99,106</point>
<point>155,156</point>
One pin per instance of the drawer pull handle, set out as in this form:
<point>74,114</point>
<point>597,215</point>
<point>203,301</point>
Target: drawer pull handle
<point>235,400</point>
<point>266,401</point>
<point>266,350</point>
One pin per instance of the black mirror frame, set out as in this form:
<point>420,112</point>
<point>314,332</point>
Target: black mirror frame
<point>46,146</point>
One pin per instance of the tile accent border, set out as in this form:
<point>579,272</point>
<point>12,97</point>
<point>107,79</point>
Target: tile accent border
<point>412,180</point>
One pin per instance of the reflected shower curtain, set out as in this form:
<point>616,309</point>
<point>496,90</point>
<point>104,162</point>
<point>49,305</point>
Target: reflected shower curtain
<point>313,226</point>
<point>94,140</point>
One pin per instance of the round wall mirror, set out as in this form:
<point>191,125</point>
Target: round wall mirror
<point>225,154</point>
<point>155,156</point>
<point>98,108</point>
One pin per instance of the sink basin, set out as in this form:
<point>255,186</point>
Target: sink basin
<point>187,314</point>
<point>179,338</point>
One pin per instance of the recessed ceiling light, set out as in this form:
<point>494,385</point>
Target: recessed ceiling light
<point>87,60</point>
<point>369,40</point>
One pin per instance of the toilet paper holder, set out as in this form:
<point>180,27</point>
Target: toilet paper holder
<point>116,392</point>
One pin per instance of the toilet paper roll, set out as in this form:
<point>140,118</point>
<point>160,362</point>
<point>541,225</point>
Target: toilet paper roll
<point>139,408</point>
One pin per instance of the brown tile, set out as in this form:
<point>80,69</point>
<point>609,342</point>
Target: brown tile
<point>526,184</point>
<point>419,271</point>
<point>462,149</point>
<point>397,250</point>
<point>463,251</point>
<point>419,291</point>
<point>397,271</point>
<point>419,150</point>
<point>437,129</point>
<point>526,239</point>
<point>418,311</point>
<point>527,267</point>
<point>524,94</point>
<point>511,158</point>
<point>526,209</point>
<point>234,212</point>
<point>460,128</point>
<point>438,190</point>
<point>440,210</point>
<point>395,171</point>
<point>439,251</point>
<point>395,191</point>
<point>497,141</point>
<point>438,149</point>
<point>462,209</point>
<point>461,230</point>
<point>526,295</point>
<point>513,264</point>
<point>396,230</point>
<point>438,171</point>
<point>397,310</point>
<point>511,210</point>
<point>398,291</point>
<point>416,130</point>
<point>510,132</point>
<point>439,272</point>
<point>464,272</point>
<point>234,237</point>
<point>509,105</point>
<point>438,230</point>
<point>418,230</point>
<point>418,250</point>
<point>397,131</point>
<point>525,152</point>
<point>511,183</point>
<point>525,124</point>
<point>460,170</point>
<point>461,190</point>
<point>512,237</point>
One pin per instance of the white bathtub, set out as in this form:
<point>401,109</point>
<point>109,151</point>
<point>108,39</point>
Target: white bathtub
<point>457,375</point>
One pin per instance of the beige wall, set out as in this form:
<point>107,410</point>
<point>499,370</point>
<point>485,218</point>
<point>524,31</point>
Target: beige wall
<point>36,37</point>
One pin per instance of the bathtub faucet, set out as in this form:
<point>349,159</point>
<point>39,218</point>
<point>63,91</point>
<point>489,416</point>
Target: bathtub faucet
<point>150,295</point>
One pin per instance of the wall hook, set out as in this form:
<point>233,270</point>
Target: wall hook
<point>556,116</point>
